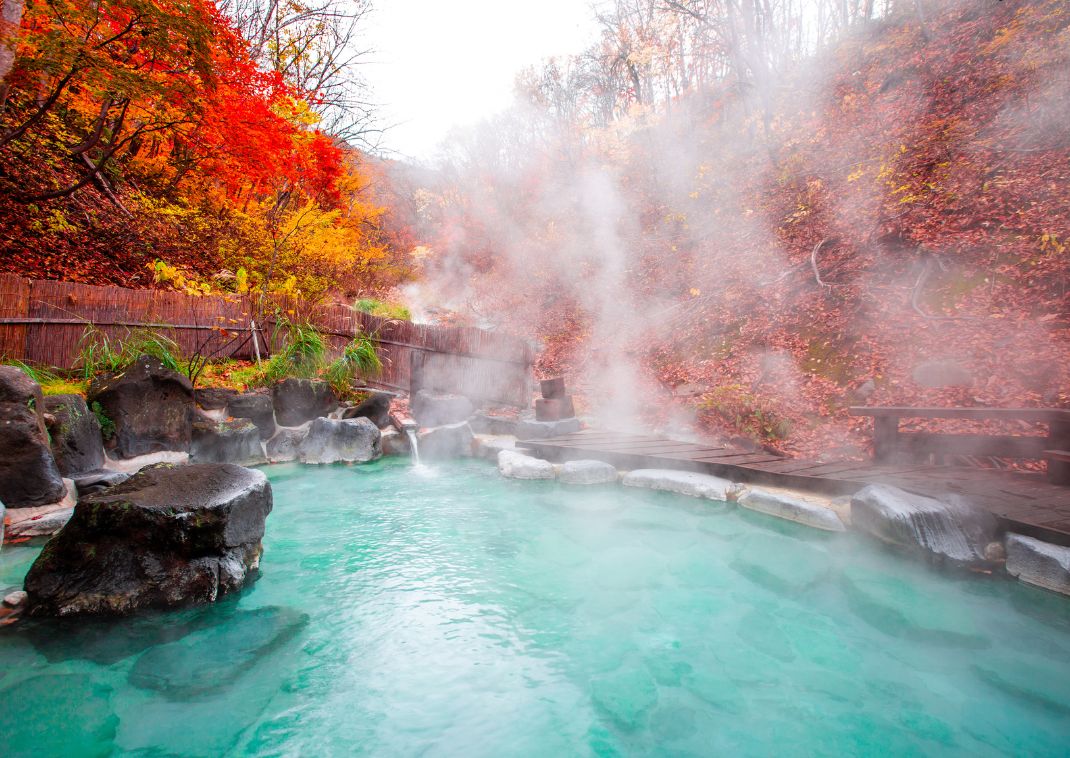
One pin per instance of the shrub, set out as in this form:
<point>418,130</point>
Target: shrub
<point>380,308</point>
<point>357,359</point>
<point>98,353</point>
<point>303,356</point>
<point>744,412</point>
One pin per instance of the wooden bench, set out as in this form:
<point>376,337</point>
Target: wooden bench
<point>890,444</point>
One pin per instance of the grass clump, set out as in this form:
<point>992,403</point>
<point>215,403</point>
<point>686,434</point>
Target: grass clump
<point>100,354</point>
<point>358,358</point>
<point>303,356</point>
<point>107,426</point>
<point>381,308</point>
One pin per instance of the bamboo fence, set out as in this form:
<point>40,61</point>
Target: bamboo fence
<point>42,322</point>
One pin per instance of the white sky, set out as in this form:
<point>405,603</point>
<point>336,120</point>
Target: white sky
<point>437,64</point>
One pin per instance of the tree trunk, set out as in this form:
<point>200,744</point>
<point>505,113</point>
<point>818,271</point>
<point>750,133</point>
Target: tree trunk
<point>10,19</point>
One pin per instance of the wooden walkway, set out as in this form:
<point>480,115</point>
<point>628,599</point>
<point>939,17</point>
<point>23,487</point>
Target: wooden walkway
<point>1023,502</point>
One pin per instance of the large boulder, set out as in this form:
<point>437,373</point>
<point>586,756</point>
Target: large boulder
<point>376,407</point>
<point>450,441</point>
<point>234,441</point>
<point>286,444</point>
<point>299,400</point>
<point>516,465</point>
<point>1039,563</point>
<point>150,405</point>
<point>28,473</point>
<point>681,482</point>
<point>76,442</point>
<point>168,536</point>
<point>587,472</point>
<point>947,532</point>
<point>258,408</point>
<point>429,409</point>
<point>214,398</point>
<point>486,423</point>
<point>355,440</point>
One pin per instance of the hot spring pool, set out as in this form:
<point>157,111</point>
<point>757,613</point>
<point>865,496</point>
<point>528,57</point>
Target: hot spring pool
<point>463,614</point>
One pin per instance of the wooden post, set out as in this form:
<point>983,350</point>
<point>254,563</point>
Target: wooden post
<point>1058,441</point>
<point>885,438</point>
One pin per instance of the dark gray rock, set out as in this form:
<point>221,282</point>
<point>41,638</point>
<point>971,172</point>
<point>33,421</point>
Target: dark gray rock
<point>441,442</point>
<point>258,408</point>
<point>429,409</point>
<point>167,536</point>
<point>947,532</point>
<point>285,445</point>
<point>376,407</point>
<point>235,441</point>
<point>76,442</point>
<point>299,400</point>
<point>484,423</point>
<point>150,405</point>
<point>538,430</point>
<point>28,473</point>
<point>395,443</point>
<point>354,440</point>
<point>95,481</point>
<point>214,398</point>
<point>936,374</point>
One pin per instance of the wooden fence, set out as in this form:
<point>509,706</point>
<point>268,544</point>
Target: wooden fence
<point>43,322</point>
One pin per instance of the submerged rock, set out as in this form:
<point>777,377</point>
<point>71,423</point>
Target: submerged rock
<point>236,441</point>
<point>299,400</point>
<point>792,508</point>
<point>354,440</point>
<point>77,444</point>
<point>429,409</point>
<point>1039,563</point>
<point>167,536</point>
<point>212,659</point>
<point>587,472</point>
<point>681,482</point>
<point>451,441</point>
<point>951,533</point>
<point>28,473</point>
<point>258,408</point>
<point>58,715</point>
<point>519,466</point>
<point>150,405</point>
<point>376,408</point>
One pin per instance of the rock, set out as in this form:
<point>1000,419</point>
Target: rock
<point>376,408</point>
<point>150,405</point>
<point>341,440</point>
<point>214,398</point>
<point>167,536</point>
<point>451,441</point>
<point>286,444</point>
<point>780,563</point>
<point>1039,563</point>
<point>489,445</point>
<point>681,482</point>
<point>554,409</point>
<point>934,374</point>
<point>135,464</point>
<point>76,442</point>
<point>485,423</point>
<point>791,508</point>
<point>538,430</point>
<point>519,466</point>
<point>258,408</point>
<point>95,481</point>
<point>587,472</point>
<point>15,599</point>
<point>945,532</point>
<point>28,472</point>
<point>299,400</point>
<point>395,443</point>
<point>44,525</point>
<point>236,441</point>
<point>430,409</point>
<point>211,660</point>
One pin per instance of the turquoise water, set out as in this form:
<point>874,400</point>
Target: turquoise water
<point>463,614</point>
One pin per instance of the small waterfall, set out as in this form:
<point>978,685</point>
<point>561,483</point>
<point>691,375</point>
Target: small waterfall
<point>414,445</point>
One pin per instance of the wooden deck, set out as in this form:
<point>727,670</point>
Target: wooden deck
<point>1024,503</point>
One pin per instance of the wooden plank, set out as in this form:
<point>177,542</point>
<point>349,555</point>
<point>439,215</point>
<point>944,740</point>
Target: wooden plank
<point>918,444</point>
<point>747,460</point>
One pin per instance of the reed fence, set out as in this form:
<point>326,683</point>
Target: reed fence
<point>42,322</point>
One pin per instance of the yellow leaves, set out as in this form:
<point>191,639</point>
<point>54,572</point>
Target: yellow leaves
<point>857,174</point>
<point>695,292</point>
<point>1050,244</point>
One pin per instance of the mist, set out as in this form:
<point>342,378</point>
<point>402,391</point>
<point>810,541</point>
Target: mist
<point>747,238</point>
